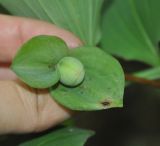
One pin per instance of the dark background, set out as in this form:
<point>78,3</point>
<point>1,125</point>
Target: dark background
<point>136,124</point>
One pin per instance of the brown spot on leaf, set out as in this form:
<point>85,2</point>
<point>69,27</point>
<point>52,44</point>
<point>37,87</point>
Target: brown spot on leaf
<point>106,103</point>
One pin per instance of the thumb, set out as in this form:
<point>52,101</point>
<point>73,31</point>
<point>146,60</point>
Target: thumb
<point>23,109</point>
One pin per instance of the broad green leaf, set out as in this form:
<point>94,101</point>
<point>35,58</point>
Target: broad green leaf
<point>63,137</point>
<point>82,17</point>
<point>131,30</point>
<point>78,16</point>
<point>38,12</point>
<point>36,60</point>
<point>103,84</point>
<point>18,6</point>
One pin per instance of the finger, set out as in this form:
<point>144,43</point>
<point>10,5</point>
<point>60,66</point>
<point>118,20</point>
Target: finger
<point>22,111</point>
<point>6,73</point>
<point>15,31</point>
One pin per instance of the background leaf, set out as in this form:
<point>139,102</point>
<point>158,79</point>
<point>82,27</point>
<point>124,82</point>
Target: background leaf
<point>82,17</point>
<point>103,84</point>
<point>21,7</point>
<point>35,7</point>
<point>63,137</point>
<point>36,60</point>
<point>131,30</point>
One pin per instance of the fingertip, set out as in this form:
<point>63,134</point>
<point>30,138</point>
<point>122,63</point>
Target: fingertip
<point>71,40</point>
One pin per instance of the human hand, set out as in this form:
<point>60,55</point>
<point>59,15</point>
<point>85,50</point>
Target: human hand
<point>24,109</point>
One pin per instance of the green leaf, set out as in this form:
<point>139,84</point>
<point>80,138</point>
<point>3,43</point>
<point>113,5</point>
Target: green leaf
<point>63,137</point>
<point>102,87</point>
<point>36,9</point>
<point>78,16</point>
<point>35,62</point>
<point>21,7</point>
<point>131,30</point>
<point>82,17</point>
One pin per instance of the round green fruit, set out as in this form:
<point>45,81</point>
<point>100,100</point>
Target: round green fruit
<point>71,71</point>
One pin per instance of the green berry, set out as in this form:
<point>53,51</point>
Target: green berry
<point>71,71</point>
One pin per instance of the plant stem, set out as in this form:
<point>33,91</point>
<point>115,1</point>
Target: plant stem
<point>143,81</point>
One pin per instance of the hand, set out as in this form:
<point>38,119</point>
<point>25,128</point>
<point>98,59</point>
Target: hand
<point>23,109</point>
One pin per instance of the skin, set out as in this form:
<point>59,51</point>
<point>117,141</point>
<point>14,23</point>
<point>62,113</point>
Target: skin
<point>23,109</point>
